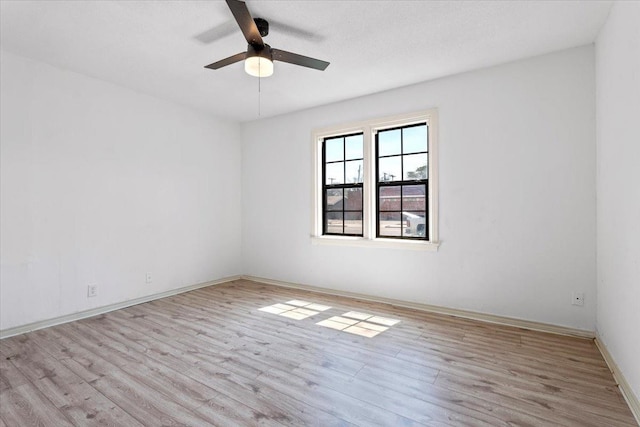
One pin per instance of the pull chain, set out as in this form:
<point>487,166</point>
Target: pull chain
<point>259,96</point>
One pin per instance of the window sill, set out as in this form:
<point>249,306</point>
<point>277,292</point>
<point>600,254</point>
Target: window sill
<point>375,243</point>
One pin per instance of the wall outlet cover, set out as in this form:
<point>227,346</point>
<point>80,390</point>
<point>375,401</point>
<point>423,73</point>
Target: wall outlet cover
<point>92,291</point>
<point>577,298</point>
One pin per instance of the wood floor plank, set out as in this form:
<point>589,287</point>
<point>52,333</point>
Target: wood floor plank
<point>523,368</point>
<point>26,406</point>
<point>10,376</point>
<point>144,403</point>
<point>546,408</point>
<point>72,354</point>
<point>426,410</point>
<point>211,357</point>
<point>80,402</point>
<point>164,377</point>
<point>272,403</point>
<point>335,402</point>
<point>451,398</point>
<point>226,412</point>
<point>606,391</point>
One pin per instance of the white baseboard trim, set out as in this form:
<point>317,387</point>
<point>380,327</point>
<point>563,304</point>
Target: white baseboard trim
<point>483,317</point>
<point>9,332</point>
<point>623,385</point>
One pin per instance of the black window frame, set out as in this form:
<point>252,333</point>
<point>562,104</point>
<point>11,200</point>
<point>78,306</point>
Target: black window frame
<point>402,183</point>
<point>344,186</point>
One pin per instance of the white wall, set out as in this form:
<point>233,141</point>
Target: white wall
<point>101,184</point>
<point>618,184</point>
<point>517,195</point>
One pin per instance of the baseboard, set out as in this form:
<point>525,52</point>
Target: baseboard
<point>5,333</point>
<point>484,317</point>
<point>623,385</point>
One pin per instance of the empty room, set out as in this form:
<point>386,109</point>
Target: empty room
<point>319,213</point>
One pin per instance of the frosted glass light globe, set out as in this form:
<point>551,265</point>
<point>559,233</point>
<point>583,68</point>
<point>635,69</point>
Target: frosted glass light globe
<point>258,66</point>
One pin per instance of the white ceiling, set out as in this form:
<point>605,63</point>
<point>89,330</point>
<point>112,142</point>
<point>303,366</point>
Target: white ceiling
<point>155,47</point>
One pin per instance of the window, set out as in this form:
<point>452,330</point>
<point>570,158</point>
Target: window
<point>402,178</point>
<point>375,183</point>
<point>343,174</point>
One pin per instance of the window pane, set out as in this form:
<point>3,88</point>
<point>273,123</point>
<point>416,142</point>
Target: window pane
<point>390,224</point>
<point>334,149</point>
<point>353,146</point>
<point>389,199</point>
<point>335,200</point>
<point>413,198</point>
<point>414,224</point>
<point>334,173</point>
<point>353,199</point>
<point>414,139</point>
<point>354,172</point>
<point>333,222</point>
<point>353,223</point>
<point>389,169</point>
<point>415,166</point>
<point>389,142</point>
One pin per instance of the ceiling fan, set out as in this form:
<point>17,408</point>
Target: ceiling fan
<point>259,57</point>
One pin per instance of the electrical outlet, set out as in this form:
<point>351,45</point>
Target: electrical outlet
<point>577,298</point>
<point>92,291</point>
<point>148,278</point>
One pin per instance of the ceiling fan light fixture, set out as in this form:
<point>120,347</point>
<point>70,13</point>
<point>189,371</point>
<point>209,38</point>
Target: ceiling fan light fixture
<point>259,62</point>
<point>258,66</point>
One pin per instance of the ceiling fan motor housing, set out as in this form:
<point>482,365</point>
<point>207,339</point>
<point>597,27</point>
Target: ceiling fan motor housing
<point>263,26</point>
<point>261,51</point>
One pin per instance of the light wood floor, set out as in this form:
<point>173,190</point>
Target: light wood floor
<point>209,357</point>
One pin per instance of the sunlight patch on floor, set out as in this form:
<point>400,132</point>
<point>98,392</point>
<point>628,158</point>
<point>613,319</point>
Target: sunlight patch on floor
<point>363,324</point>
<point>295,309</point>
<point>354,322</point>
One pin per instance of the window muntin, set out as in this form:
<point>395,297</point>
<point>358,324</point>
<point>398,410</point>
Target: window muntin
<point>402,161</point>
<point>343,177</point>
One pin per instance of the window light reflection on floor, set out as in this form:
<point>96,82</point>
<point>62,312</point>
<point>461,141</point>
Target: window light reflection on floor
<point>353,322</point>
<point>295,309</point>
<point>363,324</point>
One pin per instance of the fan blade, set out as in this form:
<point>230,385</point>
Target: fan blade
<point>297,32</point>
<point>245,22</point>
<point>294,58</point>
<point>225,29</point>
<point>227,61</point>
<point>216,33</point>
